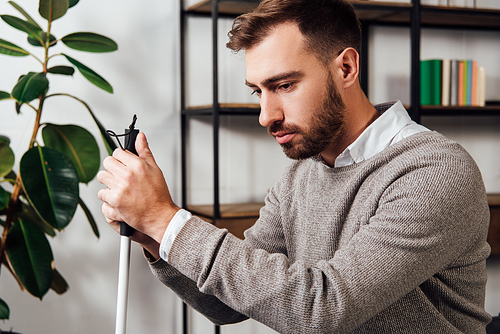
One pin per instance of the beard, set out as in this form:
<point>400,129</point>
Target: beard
<point>327,128</point>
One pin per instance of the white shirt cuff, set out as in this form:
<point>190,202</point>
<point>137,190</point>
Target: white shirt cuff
<point>176,224</point>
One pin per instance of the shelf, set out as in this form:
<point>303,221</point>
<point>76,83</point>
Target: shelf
<point>233,7</point>
<point>457,17</point>
<point>230,211</point>
<point>431,16</point>
<point>382,12</point>
<point>494,200</point>
<point>236,218</point>
<point>373,11</point>
<point>494,230</point>
<point>242,109</point>
<point>227,109</point>
<point>367,10</point>
<point>459,111</point>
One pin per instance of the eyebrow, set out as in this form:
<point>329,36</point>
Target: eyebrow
<point>281,76</point>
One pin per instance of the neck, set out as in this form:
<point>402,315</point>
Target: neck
<point>359,114</point>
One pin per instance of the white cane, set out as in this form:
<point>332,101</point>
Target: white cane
<point>123,278</point>
<point>125,234</point>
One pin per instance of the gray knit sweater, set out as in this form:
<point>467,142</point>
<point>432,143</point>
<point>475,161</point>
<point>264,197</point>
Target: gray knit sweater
<point>395,244</point>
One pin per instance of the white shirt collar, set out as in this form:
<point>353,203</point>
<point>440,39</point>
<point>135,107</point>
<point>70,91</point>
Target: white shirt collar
<point>393,125</point>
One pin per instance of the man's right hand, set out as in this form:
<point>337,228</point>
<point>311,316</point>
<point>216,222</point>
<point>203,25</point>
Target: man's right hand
<point>137,194</point>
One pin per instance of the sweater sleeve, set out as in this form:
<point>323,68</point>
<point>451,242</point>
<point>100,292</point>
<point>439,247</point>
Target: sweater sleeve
<point>208,305</point>
<point>433,216</point>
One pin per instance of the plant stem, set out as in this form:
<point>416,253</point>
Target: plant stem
<point>14,198</point>
<point>47,44</point>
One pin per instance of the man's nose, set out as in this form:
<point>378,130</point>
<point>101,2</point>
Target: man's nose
<point>270,111</point>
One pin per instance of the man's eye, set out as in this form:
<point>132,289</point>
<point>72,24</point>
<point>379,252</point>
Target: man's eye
<point>286,86</point>
<point>256,92</point>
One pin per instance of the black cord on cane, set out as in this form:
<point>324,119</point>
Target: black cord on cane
<point>130,130</point>
<point>130,135</point>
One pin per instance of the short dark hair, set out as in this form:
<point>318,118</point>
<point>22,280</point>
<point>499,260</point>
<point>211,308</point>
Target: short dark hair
<point>329,26</point>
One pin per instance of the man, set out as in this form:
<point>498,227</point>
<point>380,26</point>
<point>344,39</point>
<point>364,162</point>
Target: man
<point>377,226</point>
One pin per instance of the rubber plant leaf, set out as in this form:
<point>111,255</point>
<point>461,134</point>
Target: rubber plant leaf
<point>50,183</point>
<point>63,70</point>
<point>28,214</point>
<point>25,14</point>
<point>30,87</point>
<point>4,198</point>
<point>59,284</point>
<point>41,42</point>
<point>108,141</point>
<point>52,10</point>
<point>90,218</point>
<point>90,42</point>
<point>29,28</point>
<point>30,255</point>
<point>9,49</point>
<point>4,96</point>
<point>7,158</point>
<point>8,265</point>
<point>18,107</point>
<point>4,310</point>
<point>76,143</point>
<point>90,75</point>
<point>109,144</point>
<point>73,3</point>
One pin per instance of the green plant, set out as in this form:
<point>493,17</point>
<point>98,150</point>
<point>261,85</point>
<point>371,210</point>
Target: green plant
<point>43,196</point>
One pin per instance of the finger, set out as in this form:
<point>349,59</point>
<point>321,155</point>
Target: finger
<point>112,163</point>
<point>124,157</point>
<point>143,150</point>
<point>110,213</point>
<point>117,167</point>
<point>110,198</point>
<point>105,177</point>
<point>103,195</point>
<point>114,225</point>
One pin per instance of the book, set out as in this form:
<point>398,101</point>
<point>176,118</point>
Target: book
<point>461,78</point>
<point>474,101</point>
<point>481,86</point>
<point>454,83</point>
<point>468,83</point>
<point>446,82</point>
<point>430,82</point>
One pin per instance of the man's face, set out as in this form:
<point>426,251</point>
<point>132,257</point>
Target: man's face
<point>300,104</point>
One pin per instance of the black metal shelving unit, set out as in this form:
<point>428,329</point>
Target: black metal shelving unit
<point>409,15</point>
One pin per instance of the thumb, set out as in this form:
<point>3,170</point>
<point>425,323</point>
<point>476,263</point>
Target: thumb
<point>142,148</point>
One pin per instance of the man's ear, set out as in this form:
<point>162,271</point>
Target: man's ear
<point>347,65</point>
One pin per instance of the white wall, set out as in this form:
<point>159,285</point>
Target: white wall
<point>144,73</point>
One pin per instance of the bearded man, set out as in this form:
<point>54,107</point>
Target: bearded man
<point>378,225</point>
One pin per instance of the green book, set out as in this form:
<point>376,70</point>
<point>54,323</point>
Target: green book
<point>430,82</point>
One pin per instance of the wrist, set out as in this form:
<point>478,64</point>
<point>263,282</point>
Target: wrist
<point>163,223</point>
<point>174,227</point>
<point>153,251</point>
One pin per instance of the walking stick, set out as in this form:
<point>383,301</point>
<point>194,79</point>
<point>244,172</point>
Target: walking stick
<point>125,234</point>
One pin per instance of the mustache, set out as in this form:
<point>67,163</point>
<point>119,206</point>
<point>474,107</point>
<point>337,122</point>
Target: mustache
<point>282,127</point>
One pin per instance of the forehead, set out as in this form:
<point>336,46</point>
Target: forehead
<point>283,50</point>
